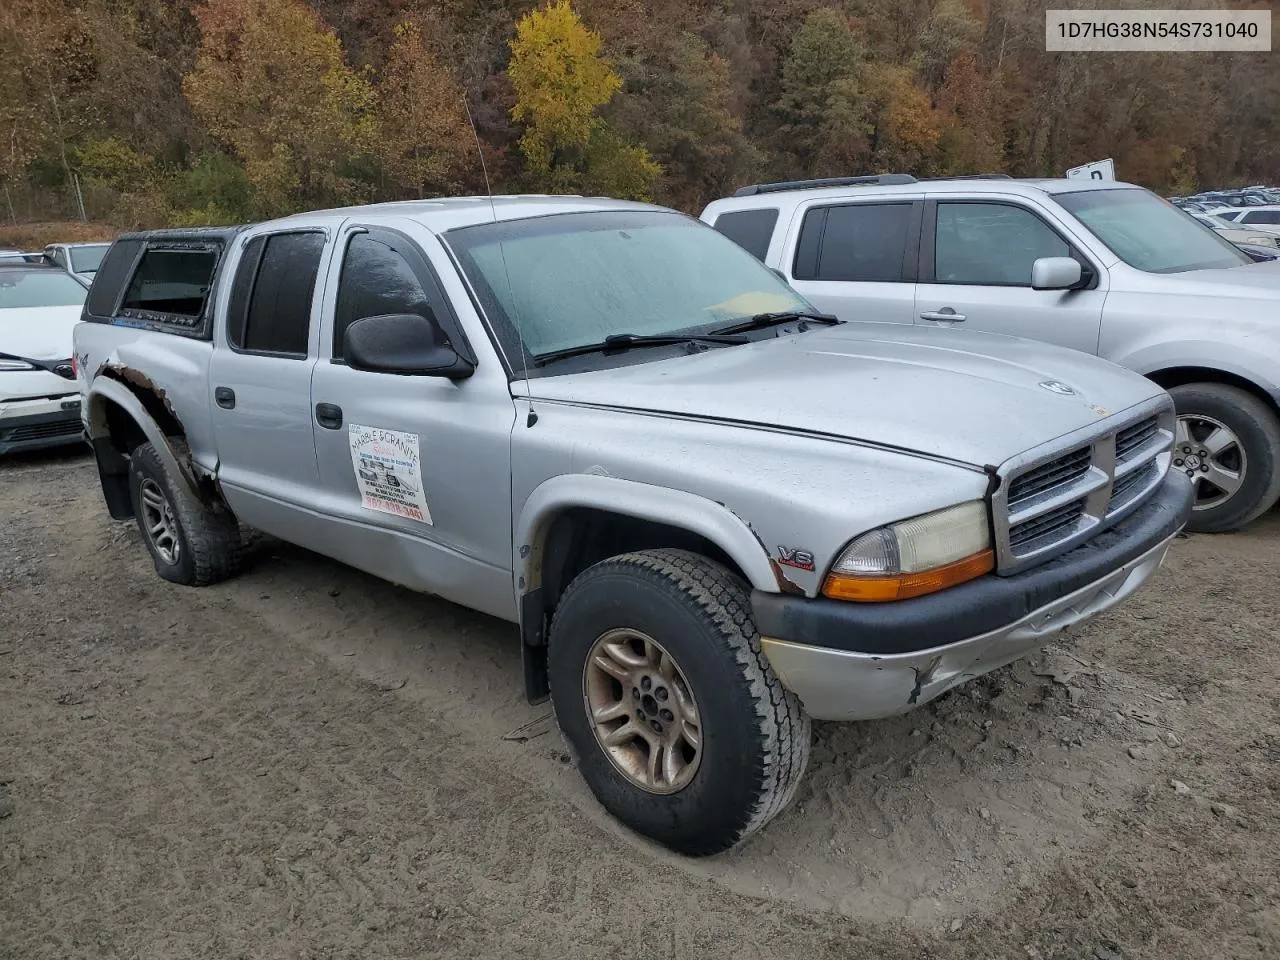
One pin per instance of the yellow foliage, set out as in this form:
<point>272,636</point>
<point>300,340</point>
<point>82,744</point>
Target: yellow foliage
<point>560,80</point>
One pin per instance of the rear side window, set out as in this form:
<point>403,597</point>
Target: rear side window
<point>865,241</point>
<point>172,283</point>
<point>750,229</point>
<point>270,305</point>
<point>1262,216</point>
<point>991,243</point>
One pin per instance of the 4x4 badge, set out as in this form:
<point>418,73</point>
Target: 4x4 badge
<point>794,557</point>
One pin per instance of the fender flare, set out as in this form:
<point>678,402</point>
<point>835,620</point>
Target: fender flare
<point>644,501</point>
<point>104,388</point>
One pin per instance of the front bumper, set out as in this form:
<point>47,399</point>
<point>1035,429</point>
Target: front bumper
<point>849,661</point>
<point>36,426</point>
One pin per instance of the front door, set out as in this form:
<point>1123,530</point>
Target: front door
<point>975,273</point>
<point>416,468</point>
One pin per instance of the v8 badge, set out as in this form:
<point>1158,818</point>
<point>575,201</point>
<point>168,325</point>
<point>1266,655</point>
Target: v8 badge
<point>795,557</point>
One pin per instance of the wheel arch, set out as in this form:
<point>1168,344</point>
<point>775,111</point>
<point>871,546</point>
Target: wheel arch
<point>1178,376</point>
<point>573,521</point>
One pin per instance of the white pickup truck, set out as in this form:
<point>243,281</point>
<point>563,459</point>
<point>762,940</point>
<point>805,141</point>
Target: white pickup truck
<point>711,512</point>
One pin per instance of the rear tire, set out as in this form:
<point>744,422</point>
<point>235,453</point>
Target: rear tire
<point>190,543</point>
<point>752,734</point>
<point>1228,435</point>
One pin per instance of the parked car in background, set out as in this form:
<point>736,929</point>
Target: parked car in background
<point>78,259</point>
<point>39,398</point>
<point>711,511</point>
<point>1259,253</point>
<point>1107,268</point>
<point>1237,234</point>
<point>1265,219</point>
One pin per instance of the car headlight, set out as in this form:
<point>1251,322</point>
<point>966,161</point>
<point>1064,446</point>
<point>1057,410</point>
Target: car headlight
<point>914,557</point>
<point>6,365</point>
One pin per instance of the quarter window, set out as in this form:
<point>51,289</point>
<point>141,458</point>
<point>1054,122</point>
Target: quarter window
<point>991,243</point>
<point>750,229</point>
<point>173,282</point>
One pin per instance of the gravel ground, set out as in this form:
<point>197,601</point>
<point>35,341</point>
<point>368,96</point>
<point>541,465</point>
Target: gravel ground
<point>307,762</point>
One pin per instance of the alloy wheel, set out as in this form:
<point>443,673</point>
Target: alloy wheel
<point>159,522</point>
<point>1211,454</point>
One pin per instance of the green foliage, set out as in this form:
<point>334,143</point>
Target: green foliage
<point>213,190</point>
<point>111,162</point>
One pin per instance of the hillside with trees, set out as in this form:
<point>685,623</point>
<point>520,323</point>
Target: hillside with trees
<point>213,111</point>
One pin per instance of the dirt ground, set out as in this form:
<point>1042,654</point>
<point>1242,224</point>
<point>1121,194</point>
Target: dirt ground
<point>309,763</point>
<point>34,236</point>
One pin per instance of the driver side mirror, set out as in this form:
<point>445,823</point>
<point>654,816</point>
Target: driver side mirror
<point>406,344</point>
<point>1055,273</point>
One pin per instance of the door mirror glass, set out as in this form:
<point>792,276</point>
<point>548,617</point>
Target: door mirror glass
<point>407,344</point>
<point>1055,273</point>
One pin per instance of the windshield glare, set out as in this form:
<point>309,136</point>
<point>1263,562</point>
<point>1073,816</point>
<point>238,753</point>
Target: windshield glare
<point>38,288</point>
<point>1149,233</point>
<point>573,279</point>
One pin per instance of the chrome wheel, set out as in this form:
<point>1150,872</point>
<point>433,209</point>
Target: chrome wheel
<point>158,521</point>
<point>1210,453</point>
<point>642,711</point>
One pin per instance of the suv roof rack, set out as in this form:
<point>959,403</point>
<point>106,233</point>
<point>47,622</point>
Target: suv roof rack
<point>976,176</point>
<point>879,180</point>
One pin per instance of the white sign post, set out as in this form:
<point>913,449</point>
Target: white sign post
<point>1098,170</point>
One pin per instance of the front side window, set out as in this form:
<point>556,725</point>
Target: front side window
<point>171,282</point>
<point>1261,216</point>
<point>573,279</point>
<point>35,287</point>
<point>376,280</point>
<point>991,243</point>
<point>1147,233</point>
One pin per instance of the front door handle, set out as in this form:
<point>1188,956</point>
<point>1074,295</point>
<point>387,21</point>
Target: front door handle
<point>945,314</point>
<point>224,397</point>
<point>329,415</point>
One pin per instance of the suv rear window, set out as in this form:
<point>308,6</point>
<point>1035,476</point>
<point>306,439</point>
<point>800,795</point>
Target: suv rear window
<point>171,282</point>
<point>864,241</point>
<point>270,305</point>
<point>750,229</point>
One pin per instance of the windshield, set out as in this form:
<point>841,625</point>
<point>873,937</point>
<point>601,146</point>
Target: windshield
<point>572,279</point>
<point>38,288</point>
<point>87,259</point>
<point>1149,233</point>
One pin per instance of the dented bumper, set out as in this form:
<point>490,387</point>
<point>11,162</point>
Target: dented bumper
<point>850,661</point>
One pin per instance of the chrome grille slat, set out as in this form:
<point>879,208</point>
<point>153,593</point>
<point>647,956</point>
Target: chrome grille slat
<point>1057,496</point>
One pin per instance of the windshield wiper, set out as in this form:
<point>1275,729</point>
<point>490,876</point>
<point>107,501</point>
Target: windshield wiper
<point>620,342</point>
<point>762,320</point>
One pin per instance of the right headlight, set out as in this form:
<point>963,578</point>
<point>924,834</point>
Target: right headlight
<point>914,557</point>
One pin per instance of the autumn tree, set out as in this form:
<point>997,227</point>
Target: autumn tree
<point>424,140</point>
<point>822,110</point>
<point>904,126</point>
<point>561,81</point>
<point>271,82</point>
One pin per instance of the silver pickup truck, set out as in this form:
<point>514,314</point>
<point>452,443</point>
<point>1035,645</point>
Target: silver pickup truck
<point>711,512</point>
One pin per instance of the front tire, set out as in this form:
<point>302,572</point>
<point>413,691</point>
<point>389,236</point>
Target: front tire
<point>1228,443</point>
<point>190,542</point>
<point>680,727</point>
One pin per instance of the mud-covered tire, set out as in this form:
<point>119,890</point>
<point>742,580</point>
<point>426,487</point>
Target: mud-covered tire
<point>208,539</point>
<point>754,733</point>
<point>1258,431</point>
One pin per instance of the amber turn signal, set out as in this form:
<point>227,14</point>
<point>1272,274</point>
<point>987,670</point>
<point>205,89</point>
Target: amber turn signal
<point>903,586</point>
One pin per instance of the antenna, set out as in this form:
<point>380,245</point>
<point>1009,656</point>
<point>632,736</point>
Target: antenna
<point>511,296</point>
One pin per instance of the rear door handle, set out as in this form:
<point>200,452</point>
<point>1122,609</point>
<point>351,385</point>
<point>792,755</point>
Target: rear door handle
<point>329,415</point>
<point>945,314</point>
<point>224,397</point>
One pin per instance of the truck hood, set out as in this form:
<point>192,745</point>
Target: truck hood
<point>40,333</point>
<point>969,397</point>
<point>1249,280</point>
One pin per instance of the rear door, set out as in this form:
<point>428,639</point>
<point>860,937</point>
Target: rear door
<point>857,260</point>
<point>260,378</point>
<point>975,272</point>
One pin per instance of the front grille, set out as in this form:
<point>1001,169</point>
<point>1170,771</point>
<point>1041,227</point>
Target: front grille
<point>1049,476</point>
<point>1132,438</point>
<point>42,431</point>
<point>1056,497</point>
<point>1059,521</point>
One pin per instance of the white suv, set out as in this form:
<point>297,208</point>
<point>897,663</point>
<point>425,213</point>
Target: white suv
<point>1107,268</point>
